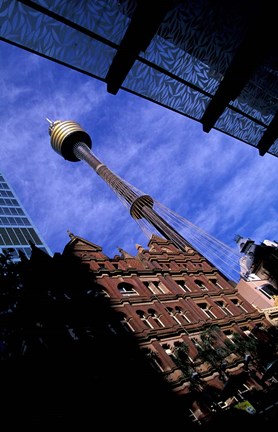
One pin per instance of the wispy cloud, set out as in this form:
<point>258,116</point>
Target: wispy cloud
<point>218,183</point>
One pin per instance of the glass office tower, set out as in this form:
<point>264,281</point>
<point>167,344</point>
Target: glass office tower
<point>16,228</point>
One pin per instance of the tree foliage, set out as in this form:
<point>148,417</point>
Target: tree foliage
<point>66,358</point>
<point>182,359</point>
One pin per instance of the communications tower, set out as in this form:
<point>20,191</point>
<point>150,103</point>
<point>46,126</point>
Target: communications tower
<point>73,143</point>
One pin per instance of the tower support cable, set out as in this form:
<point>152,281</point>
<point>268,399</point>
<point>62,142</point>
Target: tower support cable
<point>70,140</point>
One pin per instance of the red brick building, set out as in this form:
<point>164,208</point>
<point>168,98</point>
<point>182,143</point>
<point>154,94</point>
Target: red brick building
<point>173,301</point>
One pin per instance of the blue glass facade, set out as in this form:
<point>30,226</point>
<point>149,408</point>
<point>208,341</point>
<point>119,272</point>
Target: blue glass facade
<point>16,228</point>
<point>215,62</point>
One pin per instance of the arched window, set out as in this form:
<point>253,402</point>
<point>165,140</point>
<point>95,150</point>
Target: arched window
<point>216,283</point>
<point>126,322</point>
<point>181,283</point>
<point>153,358</point>
<point>229,334</point>
<point>126,289</point>
<point>206,309</point>
<point>246,330</point>
<point>172,313</point>
<point>169,351</point>
<point>182,313</point>
<point>155,318</point>
<point>201,285</point>
<point>239,305</point>
<point>144,318</point>
<point>223,307</point>
<point>98,290</point>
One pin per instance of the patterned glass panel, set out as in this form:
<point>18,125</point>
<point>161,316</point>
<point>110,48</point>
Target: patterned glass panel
<point>171,58</point>
<point>209,34</point>
<point>148,82</point>
<point>240,127</point>
<point>103,17</point>
<point>274,148</point>
<point>182,67</point>
<point>259,97</point>
<point>25,26</point>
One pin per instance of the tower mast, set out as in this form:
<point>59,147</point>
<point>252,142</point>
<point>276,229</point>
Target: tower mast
<point>74,144</point>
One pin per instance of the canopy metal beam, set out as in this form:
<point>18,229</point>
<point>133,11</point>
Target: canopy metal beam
<point>253,50</point>
<point>270,135</point>
<point>144,24</point>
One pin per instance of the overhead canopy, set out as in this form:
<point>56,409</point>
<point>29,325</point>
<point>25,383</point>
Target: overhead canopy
<point>211,60</point>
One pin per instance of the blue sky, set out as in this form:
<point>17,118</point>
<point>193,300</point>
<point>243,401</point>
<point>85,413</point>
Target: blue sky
<point>216,182</point>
